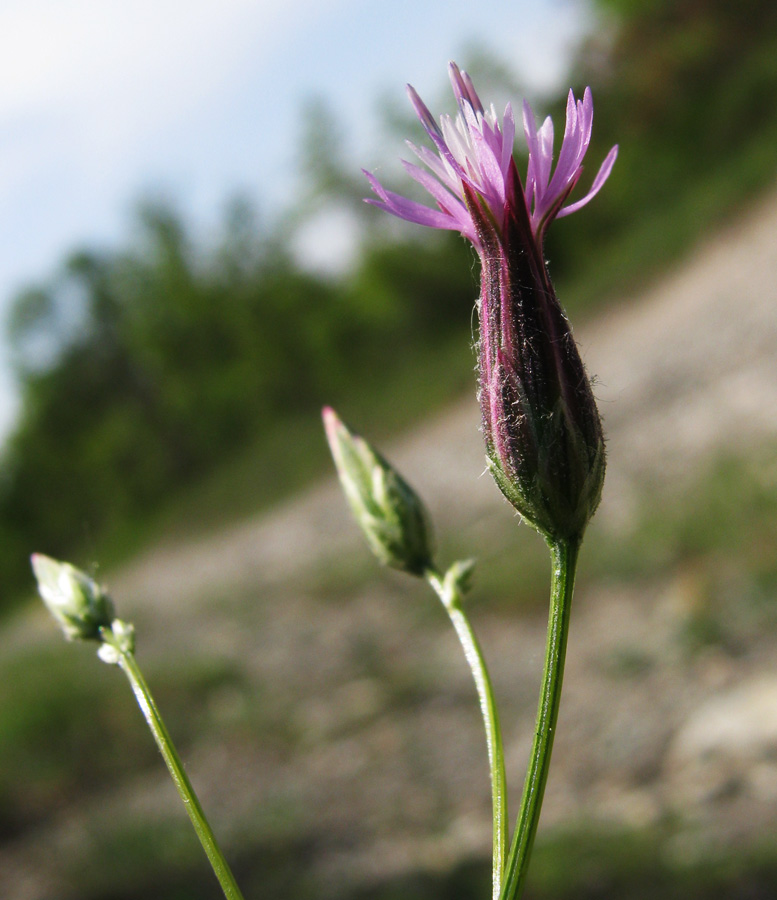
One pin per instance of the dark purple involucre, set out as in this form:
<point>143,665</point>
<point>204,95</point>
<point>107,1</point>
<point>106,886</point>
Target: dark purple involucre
<point>542,429</point>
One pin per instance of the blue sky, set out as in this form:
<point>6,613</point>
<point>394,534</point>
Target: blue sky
<point>103,101</point>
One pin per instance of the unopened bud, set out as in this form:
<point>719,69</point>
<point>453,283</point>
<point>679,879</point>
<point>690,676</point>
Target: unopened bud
<point>544,441</point>
<point>389,511</point>
<point>77,602</point>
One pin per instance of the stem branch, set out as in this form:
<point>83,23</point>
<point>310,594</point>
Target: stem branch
<point>451,597</point>
<point>180,778</point>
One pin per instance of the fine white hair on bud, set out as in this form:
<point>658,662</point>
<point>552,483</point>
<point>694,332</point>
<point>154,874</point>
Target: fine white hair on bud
<point>80,606</point>
<point>388,510</point>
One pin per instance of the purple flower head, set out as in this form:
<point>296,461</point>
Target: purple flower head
<point>474,162</point>
<point>544,442</point>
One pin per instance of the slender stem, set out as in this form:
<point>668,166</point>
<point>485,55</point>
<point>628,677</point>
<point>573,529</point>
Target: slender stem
<point>180,778</point>
<point>451,598</point>
<point>564,561</point>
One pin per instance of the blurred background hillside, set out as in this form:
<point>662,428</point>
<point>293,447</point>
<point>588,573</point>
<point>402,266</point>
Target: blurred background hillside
<point>169,378</point>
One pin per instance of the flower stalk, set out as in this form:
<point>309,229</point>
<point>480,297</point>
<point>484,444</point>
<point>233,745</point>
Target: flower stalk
<point>450,589</point>
<point>395,523</point>
<point>543,435</point>
<point>128,664</point>
<point>84,611</point>
<point>564,556</point>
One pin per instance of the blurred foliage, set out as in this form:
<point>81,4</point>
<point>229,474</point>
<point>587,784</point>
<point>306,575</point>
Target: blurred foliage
<point>146,369</point>
<point>163,358</point>
<point>688,89</point>
<point>67,726</point>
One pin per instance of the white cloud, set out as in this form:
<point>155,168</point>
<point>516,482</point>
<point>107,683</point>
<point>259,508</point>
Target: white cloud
<point>93,93</point>
<point>54,51</point>
<point>97,79</point>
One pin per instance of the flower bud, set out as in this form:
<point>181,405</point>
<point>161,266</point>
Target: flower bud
<point>77,602</point>
<point>543,436</point>
<point>390,513</point>
<point>544,441</point>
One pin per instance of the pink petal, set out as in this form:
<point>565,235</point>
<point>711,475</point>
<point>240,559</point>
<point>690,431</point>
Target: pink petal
<point>601,176</point>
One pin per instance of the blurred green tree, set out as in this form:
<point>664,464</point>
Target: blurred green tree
<point>141,368</point>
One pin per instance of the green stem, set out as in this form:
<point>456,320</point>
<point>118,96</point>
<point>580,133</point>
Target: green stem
<point>180,778</point>
<point>451,597</point>
<point>564,561</point>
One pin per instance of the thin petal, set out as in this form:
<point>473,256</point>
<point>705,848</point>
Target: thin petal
<point>447,201</point>
<point>408,209</point>
<point>430,126</point>
<point>508,137</point>
<point>587,116</point>
<point>545,157</point>
<point>438,167</point>
<point>414,212</point>
<point>422,111</point>
<point>568,158</point>
<point>463,88</point>
<point>530,128</point>
<point>601,176</point>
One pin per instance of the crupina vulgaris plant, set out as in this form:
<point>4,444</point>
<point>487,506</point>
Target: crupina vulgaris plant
<point>543,435</point>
